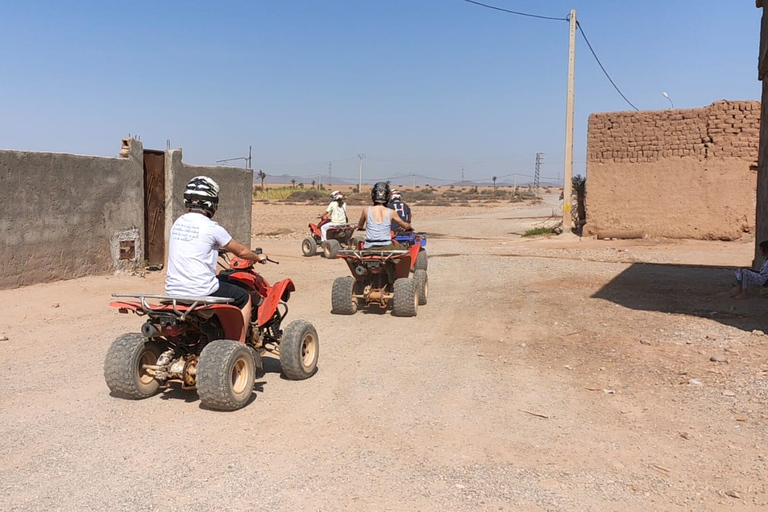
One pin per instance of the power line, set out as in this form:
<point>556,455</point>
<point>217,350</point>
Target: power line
<point>538,16</point>
<point>594,54</point>
<point>603,68</point>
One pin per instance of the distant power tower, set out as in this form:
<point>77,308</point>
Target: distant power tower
<point>536,184</point>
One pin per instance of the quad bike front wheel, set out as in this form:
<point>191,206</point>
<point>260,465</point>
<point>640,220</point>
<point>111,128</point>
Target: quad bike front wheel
<point>422,285</point>
<point>309,247</point>
<point>225,375</point>
<point>299,350</point>
<point>331,249</point>
<point>124,366</point>
<point>421,260</point>
<point>406,300</point>
<point>343,300</point>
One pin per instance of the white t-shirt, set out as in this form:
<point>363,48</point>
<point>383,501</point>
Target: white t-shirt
<point>338,213</point>
<point>192,255</point>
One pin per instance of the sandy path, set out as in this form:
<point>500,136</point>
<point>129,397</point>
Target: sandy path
<point>438,412</point>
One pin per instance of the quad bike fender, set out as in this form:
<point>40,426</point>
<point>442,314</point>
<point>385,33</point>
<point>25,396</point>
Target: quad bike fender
<point>403,266</point>
<point>231,319</point>
<point>315,230</point>
<point>276,294</point>
<point>413,253</point>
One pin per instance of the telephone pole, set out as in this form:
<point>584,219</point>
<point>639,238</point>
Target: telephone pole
<point>360,186</point>
<point>568,171</point>
<point>536,175</point>
<point>462,176</point>
<point>414,182</point>
<point>330,164</point>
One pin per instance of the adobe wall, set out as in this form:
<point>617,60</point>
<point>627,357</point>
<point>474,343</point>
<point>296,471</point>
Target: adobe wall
<point>673,173</point>
<point>235,199</point>
<point>63,216</point>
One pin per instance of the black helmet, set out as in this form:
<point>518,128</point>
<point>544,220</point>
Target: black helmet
<point>380,193</point>
<point>202,193</point>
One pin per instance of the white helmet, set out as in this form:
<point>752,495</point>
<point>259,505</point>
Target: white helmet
<point>395,196</point>
<point>337,195</point>
<point>202,193</point>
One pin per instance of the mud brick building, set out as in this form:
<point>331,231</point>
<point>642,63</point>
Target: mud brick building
<point>683,173</point>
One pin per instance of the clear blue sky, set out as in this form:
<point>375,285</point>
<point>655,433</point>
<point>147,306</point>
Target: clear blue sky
<point>419,86</point>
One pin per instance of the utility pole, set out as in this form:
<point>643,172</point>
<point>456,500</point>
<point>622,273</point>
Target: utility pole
<point>249,157</point>
<point>329,175</point>
<point>536,182</point>
<point>414,182</point>
<point>568,172</point>
<point>361,156</point>
<point>515,182</point>
<point>462,175</point>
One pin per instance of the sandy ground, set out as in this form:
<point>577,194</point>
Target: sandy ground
<point>547,374</point>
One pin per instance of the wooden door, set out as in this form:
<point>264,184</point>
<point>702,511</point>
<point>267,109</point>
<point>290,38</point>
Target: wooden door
<point>154,206</point>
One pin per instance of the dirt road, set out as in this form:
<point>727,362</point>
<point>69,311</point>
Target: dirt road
<point>550,374</point>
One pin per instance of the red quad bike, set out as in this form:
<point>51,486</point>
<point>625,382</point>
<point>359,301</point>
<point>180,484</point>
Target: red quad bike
<point>195,342</point>
<point>378,277</point>
<point>336,238</point>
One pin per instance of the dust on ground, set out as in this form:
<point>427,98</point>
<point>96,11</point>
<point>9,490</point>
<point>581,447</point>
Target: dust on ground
<point>544,374</point>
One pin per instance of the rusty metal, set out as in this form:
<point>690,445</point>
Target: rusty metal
<point>154,206</point>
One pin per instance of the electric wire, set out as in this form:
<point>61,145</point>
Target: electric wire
<point>538,16</point>
<point>603,68</point>
<point>581,30</point>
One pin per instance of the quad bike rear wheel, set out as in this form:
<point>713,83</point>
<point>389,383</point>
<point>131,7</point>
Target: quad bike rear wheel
<point>299,350</point>
<point>421,260</point>
<point>309,247</point>
<point>124,366</point>
<point>225,375</point>
<point>406,300</point>
<point>331,249</point>
<point>343,300</point>
<point>422,285</point>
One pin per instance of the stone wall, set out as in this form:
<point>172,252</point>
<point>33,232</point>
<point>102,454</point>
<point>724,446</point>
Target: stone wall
<point>673,173</point>
<point>235,199</point>
<point>64,216</point>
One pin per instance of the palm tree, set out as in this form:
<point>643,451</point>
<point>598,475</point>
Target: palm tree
<point>579,185</point>
<point>261,175</point>
<point>293,182</point>
<point>494,183</point>
<point>313,183</point>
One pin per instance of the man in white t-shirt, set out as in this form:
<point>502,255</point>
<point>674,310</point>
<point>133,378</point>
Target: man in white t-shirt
<point>193,250</point>
<point>337,211</point>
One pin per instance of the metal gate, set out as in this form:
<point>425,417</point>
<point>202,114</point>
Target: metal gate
<point>154,206</point>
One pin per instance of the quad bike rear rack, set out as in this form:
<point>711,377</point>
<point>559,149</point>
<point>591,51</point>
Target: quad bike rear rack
<point>192,302</point>
<point>385,255</point>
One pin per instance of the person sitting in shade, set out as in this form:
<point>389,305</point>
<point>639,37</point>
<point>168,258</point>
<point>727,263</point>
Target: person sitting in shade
<point>747,278</point>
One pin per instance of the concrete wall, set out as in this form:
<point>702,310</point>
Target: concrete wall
<point>234,213</point>
<point>673,173</point>
<point>63,216</point>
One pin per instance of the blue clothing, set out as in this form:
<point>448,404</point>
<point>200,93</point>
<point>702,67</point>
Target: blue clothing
<point>748,278</point>
<point>377,234</point>
<point>403,211</point>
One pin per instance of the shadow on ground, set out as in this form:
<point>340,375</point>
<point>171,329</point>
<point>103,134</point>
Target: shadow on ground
<point>686,290</point>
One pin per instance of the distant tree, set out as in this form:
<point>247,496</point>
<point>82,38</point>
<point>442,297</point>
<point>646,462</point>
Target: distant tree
<point>293,182</point>
<point>261,175</point>
<point>301,185</point>
<point>313,183</point>
<point>494,183</point>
